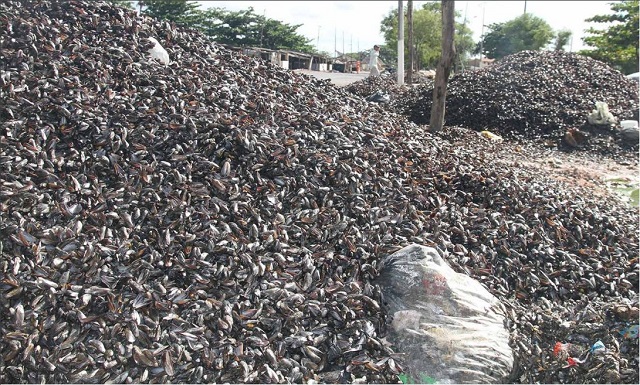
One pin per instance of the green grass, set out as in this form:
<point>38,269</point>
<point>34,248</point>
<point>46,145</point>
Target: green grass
<point>627,189</point>
<point>424,379</point>
<point>635,197</point>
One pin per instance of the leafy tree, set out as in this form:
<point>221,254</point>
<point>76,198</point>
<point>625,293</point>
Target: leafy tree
<point>562,39</point>
<point>281,35</point>
<point>464,44</point>
<point>226,27</point>
<point>618,44</point>
<point>238,28</point>
<point>246,28</point>
<point>427,32</point>
<point>526,32</point>
<point>179,11</point>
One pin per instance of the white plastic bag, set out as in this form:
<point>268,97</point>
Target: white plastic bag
<point>446,325</point>
<point>601,115</point>
<point>158,52</point>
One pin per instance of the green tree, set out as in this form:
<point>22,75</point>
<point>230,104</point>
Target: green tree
<point>181,12</point>
<point>526,32</point>
<point>279,35</point>
<point>247,29</point>
<point>427,32</point>
<point>562,39</point>
<point>464,44</point>
<point>618,44</point>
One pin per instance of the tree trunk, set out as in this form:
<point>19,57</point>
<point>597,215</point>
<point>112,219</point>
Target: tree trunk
<point>410,32</point>
<point>444,66</point>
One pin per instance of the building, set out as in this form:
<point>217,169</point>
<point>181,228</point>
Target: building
<point>348,63</point>
<point>475,64</point>
<point>287,59</point>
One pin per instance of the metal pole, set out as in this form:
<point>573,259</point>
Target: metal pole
<point>335,42</point>
<point>410,33</point>
<point>482,37</point>
<point>400,44</point>
<point>264,12</point>
<point>571,44</point>
<point>525,6</point>
<point>460,62</point>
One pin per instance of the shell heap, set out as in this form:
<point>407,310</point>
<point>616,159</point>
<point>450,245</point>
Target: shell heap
<point>528,94</point>
<point>220,219</point>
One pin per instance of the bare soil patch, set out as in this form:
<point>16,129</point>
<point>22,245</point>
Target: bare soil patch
<point>584,169</point>
<point>587,173</point>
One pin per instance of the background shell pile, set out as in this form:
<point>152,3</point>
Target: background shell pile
<point>529,94</point>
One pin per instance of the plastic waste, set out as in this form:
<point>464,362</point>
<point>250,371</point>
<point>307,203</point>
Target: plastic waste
<point>598,348</point>
<point>158,52</point>
<point>601,115</point>
<point>448,327</point>
<point>629,124</point>
<point>491,136</point>
<point>572,361</point>
<point>564,350</point>
<point>629,130</point>
<point>576,355</point>
<point>559,348</point>
<point>378,97</point>
<point>630,134</point>
<point>630,332</point>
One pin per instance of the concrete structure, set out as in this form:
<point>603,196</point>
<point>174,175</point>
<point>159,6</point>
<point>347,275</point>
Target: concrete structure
<point>287,59</point>
<point>475,64</point>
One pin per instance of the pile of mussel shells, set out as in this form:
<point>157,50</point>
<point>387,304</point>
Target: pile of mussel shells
<point>371,85</point>
<point>221,219</point>
<point>529,93</point>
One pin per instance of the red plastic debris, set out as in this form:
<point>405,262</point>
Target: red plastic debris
<point>559,347</point>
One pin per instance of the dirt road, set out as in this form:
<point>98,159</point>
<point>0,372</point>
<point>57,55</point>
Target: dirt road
<point>337,78</point>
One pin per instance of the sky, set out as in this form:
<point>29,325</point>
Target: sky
<point>351,26</point>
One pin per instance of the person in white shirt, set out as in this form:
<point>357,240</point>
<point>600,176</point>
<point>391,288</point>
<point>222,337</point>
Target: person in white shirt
<point>373,61</point>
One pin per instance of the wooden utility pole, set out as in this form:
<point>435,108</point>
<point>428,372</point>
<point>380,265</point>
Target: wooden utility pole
<point>410,32</point>
<point>444,66</point>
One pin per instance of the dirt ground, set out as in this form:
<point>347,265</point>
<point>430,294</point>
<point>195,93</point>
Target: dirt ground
<point>338,78</point>
<point>590,173</point>
<point>598,176</point>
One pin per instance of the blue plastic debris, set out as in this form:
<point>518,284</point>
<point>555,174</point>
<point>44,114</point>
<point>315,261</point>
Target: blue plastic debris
<point>598,347</point>
<point>630,332</point>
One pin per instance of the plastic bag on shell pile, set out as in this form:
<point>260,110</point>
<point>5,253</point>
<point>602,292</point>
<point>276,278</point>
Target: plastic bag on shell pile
<point>378,97</point>
<point>445,324</point>
<point>158,52</point>
<point>601,115</point>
